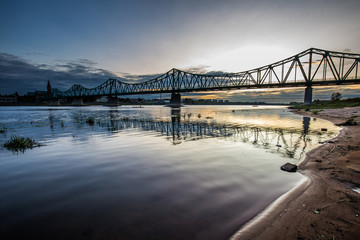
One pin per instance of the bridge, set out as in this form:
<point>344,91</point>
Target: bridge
<point>312,67</point>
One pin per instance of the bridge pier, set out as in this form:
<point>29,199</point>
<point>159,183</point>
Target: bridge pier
<point>77,101</point>
<point>175,100</point>
<point>308,95</point>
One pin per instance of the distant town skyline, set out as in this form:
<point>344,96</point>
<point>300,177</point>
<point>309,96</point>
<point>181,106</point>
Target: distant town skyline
<point>87,42</point>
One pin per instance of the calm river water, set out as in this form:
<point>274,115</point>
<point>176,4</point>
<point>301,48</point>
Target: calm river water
<point>147,173</point>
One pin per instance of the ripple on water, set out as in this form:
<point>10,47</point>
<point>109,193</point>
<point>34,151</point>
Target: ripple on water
<point>148,173</point>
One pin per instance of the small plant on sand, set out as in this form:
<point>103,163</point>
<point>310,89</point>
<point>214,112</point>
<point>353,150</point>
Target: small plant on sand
<point>17,143</point>
<point>349,122</point>
<point>315,112</point>
<point>90,121</point>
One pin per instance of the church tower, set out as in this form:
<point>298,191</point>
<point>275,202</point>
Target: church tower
<point>49,87</point>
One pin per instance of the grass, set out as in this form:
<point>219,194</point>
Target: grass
<point>324,104</point>
<point>17,143</point>
<point>90,121</point>
<point>315,112</point>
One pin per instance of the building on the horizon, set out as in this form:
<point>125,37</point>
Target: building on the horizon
<point>37,96</point>
<point>12,98</point>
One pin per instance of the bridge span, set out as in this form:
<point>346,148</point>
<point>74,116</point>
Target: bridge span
<point>312,67</point>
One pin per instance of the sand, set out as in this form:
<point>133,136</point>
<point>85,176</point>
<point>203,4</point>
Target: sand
<point>325,205</point>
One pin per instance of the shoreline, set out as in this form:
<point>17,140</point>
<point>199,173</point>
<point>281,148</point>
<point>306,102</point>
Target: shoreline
<point>325,205</point>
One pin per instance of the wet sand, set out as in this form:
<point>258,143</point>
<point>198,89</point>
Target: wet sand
<point>325,205</point>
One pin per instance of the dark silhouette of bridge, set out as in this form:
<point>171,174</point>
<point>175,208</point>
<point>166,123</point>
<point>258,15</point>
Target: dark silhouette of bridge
<point>313,67</point>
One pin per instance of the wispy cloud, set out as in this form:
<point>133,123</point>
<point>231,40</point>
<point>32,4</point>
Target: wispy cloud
<point>18,74</point>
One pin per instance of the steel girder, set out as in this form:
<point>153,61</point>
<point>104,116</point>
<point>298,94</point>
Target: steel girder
<point>311,67</point>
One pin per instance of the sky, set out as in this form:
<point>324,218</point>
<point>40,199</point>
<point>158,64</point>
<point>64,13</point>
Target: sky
<point>88,41</point>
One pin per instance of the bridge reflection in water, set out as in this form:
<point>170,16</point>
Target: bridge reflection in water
<point>289,142</point>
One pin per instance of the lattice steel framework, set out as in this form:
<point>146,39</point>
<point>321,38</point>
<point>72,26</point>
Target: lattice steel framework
<point>311,67</point>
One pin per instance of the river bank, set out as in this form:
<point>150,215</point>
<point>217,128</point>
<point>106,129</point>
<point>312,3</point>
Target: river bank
<point>326,205</point>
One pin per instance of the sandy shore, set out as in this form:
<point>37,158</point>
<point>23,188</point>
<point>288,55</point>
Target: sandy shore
<point>325,206</point>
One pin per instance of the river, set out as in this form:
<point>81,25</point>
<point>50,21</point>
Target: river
<point>199,172</point>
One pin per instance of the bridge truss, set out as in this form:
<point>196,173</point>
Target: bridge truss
<point>308,68</point>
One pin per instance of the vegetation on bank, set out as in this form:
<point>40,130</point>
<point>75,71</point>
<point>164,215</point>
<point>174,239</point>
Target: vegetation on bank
<point>17,144</point>
<point>334,102</point>
<point>326,104</point>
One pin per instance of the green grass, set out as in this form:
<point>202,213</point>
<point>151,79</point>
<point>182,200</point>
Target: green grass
<point>17,143</point>
<point>323,104</point>
<point>315,112</point>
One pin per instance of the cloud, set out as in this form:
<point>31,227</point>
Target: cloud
<point>134,78</point>
<point>200,69</point>
<point>18,74</point>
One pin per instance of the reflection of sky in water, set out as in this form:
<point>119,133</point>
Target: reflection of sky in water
<point>148,172</point>
<point>271,128</point>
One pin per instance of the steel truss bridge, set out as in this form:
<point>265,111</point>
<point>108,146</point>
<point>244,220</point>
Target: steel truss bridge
<point>312,67</point>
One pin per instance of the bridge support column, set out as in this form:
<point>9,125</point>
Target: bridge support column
<point>77,101</point>
<point>308,95</point>
<point>112,101</point>
<point>175,100</point>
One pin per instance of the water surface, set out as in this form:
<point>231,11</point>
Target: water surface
<point>147,173</point>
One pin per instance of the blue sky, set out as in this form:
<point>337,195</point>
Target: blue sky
<point>89,41</point>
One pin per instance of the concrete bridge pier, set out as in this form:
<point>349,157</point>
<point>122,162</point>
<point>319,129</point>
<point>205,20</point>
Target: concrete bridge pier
<point>308,95</point>
<point>175,100</point>
<point>77,101</point>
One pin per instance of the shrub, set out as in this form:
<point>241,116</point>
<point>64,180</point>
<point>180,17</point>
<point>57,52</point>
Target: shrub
<point>349,122</point>
<point>336,96</point>
<point>17,143</point>
<point>90,121</point>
